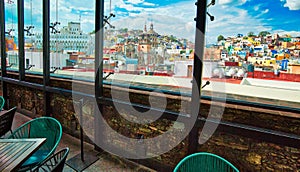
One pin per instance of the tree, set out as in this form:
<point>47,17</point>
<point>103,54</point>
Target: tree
<point>220,37</point>
<point>251,34</point>
<point>263,33</point>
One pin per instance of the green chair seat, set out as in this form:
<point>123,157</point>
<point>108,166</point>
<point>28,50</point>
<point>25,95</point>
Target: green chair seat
<point>204,162</point>
<point>53,163</point>
<point>43,127</point>
<point>36,158</point>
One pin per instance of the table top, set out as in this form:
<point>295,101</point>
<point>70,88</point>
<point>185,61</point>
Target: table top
<point>2,112</point>
<point>14,152</point>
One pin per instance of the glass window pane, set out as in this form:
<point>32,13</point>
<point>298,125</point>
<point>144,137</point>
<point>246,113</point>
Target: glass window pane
<point>150,44</point>
<point>253,47</point>
<point>11,36</point>
<point>33,28</point>
<point>71,41</point>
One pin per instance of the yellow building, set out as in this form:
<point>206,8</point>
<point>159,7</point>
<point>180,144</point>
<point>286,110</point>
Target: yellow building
<point>294,68</point>
<point>287,44</point>
<point>262,61</point>
<point>281,56</point>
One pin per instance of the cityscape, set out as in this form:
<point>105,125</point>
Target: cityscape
<point>160,46</point>
<point>146,111</point>
<point>146,52</point>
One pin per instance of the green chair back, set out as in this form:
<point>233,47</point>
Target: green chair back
<point>204,162</point>
<point>43,127</point>
<point>2,102</point>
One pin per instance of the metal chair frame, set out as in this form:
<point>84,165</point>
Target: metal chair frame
<point>6,120</point>
<point>206,162</point>
<point>42,127</point>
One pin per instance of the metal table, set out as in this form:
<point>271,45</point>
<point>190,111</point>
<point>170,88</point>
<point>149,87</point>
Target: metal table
<point>14,152</point>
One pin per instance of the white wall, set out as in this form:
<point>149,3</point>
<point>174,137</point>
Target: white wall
<point>181,68</point>
<point>56,59</point>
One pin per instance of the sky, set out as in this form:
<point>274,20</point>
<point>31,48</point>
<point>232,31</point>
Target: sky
<point>170,17</point>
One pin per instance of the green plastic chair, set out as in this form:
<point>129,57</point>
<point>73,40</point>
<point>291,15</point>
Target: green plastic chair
<point>2,102</point>
<point>55,162</point>
<point>6,121</point>
<point>43,127</point>
<point>204,162</point>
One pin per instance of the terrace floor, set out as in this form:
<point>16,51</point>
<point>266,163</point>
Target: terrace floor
<point>105,163</point>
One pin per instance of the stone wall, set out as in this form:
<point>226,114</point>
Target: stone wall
<point>252,155</point>
<point>245,153</point>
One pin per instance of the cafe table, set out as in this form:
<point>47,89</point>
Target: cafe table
<point>14,152</point>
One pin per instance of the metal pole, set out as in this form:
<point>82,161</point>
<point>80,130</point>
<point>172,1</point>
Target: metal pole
<point>98,108</point>
<point>46,54</point>
<point>197,73</point>
<point>81,130</point>
<point>3,50</point>
<point>99,48</point>
<point>21,40</point>
<point>2,34</point>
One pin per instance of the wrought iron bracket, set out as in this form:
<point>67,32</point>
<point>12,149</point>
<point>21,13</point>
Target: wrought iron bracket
<point>27,30</point>
<point>212,18</point>
<point>29,67</point>
<point>54,69</point>
<point>53,29</point>
<point>9,32</point>
<point>106,20</point>
<point>105,77</point>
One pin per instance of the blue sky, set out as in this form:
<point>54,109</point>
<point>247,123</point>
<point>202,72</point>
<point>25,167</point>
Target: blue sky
<point>174,17</point>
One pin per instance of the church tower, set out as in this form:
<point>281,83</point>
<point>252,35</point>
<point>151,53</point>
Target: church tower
<point>145,28</point>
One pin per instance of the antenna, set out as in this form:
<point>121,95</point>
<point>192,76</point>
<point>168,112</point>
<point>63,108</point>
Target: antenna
<point>79,17</point>
<point>28,28</point>
<point>109,6</point>
<point>107,18</point>
<point>53,25</point>
<point>11,2</point>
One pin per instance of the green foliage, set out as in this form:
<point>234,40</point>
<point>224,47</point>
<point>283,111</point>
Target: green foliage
<point>182,51</point>
<point>220,37</point>
<point>251,34</point>
<point>173,38</point>
<point>263,33</point>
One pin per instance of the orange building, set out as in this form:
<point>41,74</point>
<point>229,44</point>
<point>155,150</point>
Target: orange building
<point>10,44</point>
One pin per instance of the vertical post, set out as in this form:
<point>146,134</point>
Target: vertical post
<point>46,54</point>
<point>21,40</point>
<point>81,130</point>
<point>197,73</point>
<point>99,14</point>
<point>99,48</point>
<point>3,50</point>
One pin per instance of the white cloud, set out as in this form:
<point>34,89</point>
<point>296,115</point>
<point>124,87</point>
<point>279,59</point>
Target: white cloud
<point>166,20</point>
<point>149,4</point>
<point>231,2</point>
<point>292,4</point>
<point>265,11</point>
<point>292,33</point>
<point>135,1</point>
<point>231,21</point>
